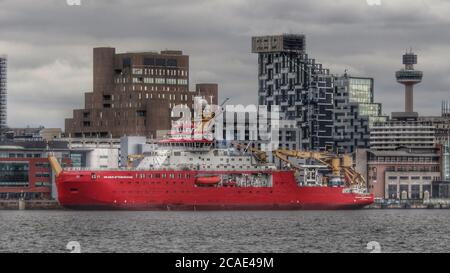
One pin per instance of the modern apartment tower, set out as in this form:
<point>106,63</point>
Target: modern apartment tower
<point>3,92</point>
<point>133,94</point>
<point>355,112</point>
<point>409,77</point>
<point>302,88</point>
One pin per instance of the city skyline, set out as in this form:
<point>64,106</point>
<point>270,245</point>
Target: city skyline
<point>48,76</point>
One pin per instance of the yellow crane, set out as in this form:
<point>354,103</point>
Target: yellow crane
<point>339,165</point>
<point>207,118</point>
<point>132,158</point>
<point>260,155</point>
<point>55,164</point>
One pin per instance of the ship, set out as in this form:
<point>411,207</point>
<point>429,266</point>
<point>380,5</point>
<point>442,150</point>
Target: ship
<point>190,171</point>
<point>196,175</point>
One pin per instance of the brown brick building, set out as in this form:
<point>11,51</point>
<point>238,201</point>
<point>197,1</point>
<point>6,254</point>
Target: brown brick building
<point>134,93</point>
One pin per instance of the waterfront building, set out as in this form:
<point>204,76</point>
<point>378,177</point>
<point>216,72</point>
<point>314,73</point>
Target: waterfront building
<point>94,153</point>
<point>441,123</point>
<point>301,87</point>
<point>355,112</point>
<point>30,133</point>
<point>401,174</point>
<point>25,171</point>
<point>405,157</point>
<point>133,94</point>
<point>395,134</point>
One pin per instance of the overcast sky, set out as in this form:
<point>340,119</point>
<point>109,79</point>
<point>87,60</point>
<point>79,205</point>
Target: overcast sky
<point>49,45</point>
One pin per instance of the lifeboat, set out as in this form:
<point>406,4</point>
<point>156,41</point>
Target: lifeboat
<point>208,180</point>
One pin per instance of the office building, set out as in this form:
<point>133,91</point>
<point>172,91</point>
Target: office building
<point>441,123</point>
<point>301,87</point>
<point>134,93</point>
<point>354,112</point>
<point>395,134</point>
<point>392,174</point>
<point>25,171</point>
<point>404,159</point>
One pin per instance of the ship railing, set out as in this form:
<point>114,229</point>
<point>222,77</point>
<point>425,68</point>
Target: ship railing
<point>357,190</point>
<point>268,167</point>
<point>93,169</point>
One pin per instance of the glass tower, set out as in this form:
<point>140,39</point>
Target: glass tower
<point>355,112</point>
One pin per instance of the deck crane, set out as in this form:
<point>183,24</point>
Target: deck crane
<point>340,165</point>
<point>206,119</point>
<point>258,154</point>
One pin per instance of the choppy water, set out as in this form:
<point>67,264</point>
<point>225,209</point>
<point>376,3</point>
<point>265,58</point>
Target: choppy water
<point>296,231</point>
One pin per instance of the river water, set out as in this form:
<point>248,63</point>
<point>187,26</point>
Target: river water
<point>242,231</point>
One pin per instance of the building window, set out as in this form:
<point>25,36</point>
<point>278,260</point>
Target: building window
<point>14,174</point>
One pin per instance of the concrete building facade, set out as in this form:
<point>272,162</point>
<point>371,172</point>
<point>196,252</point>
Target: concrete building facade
<point>133,94</point>
<point>301,87</point>
<point>391,173</point>
<point>404,159</point>
<point>396,134</point>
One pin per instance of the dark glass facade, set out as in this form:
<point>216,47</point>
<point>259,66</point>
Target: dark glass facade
<point>301,87</point>
<point>14,174</point>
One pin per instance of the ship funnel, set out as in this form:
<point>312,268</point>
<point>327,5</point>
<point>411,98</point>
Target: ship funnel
<point>55,164</point>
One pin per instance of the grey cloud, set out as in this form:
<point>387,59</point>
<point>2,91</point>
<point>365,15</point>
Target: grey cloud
<point>50,45</point>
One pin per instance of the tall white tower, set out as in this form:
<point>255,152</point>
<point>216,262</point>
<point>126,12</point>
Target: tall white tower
<point>409,77</point>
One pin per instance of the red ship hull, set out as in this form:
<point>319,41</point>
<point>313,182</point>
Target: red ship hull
<point>177,190</point>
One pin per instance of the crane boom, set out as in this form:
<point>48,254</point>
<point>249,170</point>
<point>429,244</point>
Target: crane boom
<point>260,155</point>
<point>206,119</point>
<point>339,165</point>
